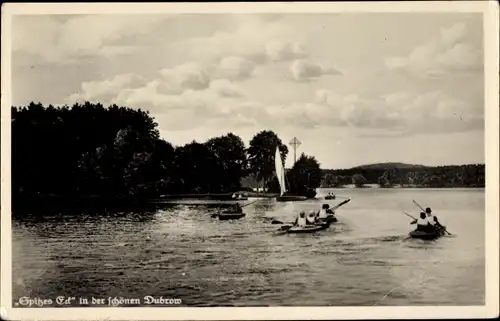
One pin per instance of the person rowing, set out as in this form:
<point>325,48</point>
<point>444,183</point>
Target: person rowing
<point>438,225</point>
<point>323,214</point>
<point>311,218</point>
<point>237,208</point>
<point>430,217</point>
<point>301,220</point>
<point>433,220</point>
<point>423,223</point>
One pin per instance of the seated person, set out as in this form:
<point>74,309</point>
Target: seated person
<point>301,220</point>
<point>438,225</point>
<point>323,214</point>
<point>237,208</point>
<point>311,218</point>
<point>422,223</point>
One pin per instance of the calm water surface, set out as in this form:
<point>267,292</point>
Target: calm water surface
<point>181,252</point>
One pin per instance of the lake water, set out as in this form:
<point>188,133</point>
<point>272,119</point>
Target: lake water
<point>181,252</point>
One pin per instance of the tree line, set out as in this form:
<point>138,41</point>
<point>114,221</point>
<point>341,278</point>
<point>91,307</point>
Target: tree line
<point>419,176</point>
<point>88,150</point>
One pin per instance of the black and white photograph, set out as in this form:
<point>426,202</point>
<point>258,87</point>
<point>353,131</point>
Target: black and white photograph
<point>263,160</point>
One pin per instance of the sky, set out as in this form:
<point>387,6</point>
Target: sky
<point>354,88</point>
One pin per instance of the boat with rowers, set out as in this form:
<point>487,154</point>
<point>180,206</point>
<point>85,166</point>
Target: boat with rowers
<point>314,222</point>
<point>234,213</point>
<point>330,196</point>
<point>230,216</point>
<point>428,226</point>
<point>308,228</point>
<point>427,235</point>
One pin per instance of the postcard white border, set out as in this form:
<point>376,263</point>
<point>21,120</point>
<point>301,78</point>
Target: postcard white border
<point>491,49</point>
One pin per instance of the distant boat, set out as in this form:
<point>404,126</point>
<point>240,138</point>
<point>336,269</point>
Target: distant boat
<point>280,174</point>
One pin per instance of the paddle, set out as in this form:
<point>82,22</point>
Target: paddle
<point>333,208</point>
<point>408,215</point>
<point>418,205</point>
<point>249,203</point>
<point>340,204</point>
<point>415,202</point>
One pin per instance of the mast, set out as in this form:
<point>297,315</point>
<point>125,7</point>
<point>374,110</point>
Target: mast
<point>295,143</point>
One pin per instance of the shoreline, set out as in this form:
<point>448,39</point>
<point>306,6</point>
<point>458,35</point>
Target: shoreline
<point>52,205</point>
<point>204,196</point>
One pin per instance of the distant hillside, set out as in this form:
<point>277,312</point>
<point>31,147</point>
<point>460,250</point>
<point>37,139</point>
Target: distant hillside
<point>400,174</point>
<point>389,166</point>
<point>391,174</point>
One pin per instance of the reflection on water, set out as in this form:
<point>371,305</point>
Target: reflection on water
<point>181,252</point>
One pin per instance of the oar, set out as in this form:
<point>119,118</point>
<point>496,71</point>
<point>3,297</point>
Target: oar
<point>418,206</point>
<point>408,215</point>
<point>286,227</point>
<point>340,204</point>
<point>249,203</point>
<point>415,202</point>
<point>274,222</point>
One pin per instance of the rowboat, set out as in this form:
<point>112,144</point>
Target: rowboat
<point>290,198</point>
<point>230,216</point>
<point>329,219</point>
<point>308,228</point>
<point>427,235</point>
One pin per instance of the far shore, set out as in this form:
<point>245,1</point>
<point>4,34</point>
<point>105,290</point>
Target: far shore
<point>228,196</point>
<point>219,196</point>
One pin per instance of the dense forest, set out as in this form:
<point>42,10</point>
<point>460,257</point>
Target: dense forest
<point>89,151</point>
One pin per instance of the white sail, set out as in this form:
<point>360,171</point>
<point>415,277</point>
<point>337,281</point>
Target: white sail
<point>280,171</point>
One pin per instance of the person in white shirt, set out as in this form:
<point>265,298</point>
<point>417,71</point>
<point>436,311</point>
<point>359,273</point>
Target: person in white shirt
<point>434,220</point>
<point>322,215</point>
<point>301,220</point>
<point>430,217</point>
<point>422,222</point>
<point>311,218</point>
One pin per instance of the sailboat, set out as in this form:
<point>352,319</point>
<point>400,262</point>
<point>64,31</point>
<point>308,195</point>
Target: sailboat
<point>280,174</point>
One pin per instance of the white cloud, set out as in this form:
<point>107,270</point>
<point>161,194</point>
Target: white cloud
<point>106,90</point>
<point>186,76</point>
<point>277,50</point>
<point>56,41</point>
<point>305,70</point>
<point>199,101</point>
<point>403,112</point>
<point>452,50</point>
<point>255,39</point>
<point>225,88</point>
<point>184,96</point>
<point>236,68</point>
